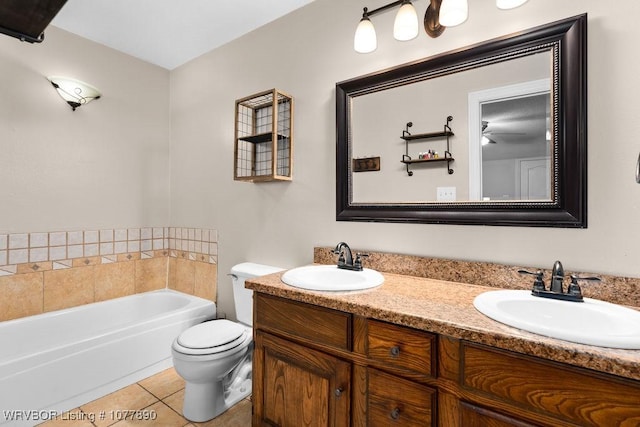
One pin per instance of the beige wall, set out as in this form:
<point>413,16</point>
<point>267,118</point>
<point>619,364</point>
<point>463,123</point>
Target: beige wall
<point>305,54</point>
<point>104,165</point>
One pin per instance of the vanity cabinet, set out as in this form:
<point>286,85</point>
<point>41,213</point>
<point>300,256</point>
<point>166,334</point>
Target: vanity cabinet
<point>315,366</point>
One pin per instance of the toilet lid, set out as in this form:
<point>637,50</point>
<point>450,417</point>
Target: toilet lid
<point>216,335</point>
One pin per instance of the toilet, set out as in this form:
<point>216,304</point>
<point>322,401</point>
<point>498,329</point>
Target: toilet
<point>214,358</point>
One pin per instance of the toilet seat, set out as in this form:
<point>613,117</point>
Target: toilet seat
<point>213,337</point>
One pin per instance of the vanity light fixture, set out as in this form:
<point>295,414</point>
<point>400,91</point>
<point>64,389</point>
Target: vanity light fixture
<point>405,26</point>
<point>74,92</point>
<point>439,14</point>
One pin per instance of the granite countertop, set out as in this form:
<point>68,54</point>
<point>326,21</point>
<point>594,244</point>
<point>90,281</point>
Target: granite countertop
<point>447,308</point>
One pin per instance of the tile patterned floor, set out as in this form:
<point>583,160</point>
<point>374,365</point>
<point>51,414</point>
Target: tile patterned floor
<point>159,396</point>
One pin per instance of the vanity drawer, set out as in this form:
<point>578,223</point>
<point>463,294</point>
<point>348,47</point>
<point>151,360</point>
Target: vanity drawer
<point>396,401</point>
<point>561,391</point>
<point>401,347</point>
<point>318,324</point>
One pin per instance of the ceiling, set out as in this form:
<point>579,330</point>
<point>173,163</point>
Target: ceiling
<point>168,33</point>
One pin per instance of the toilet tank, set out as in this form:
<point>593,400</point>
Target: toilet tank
<point>243,297</point>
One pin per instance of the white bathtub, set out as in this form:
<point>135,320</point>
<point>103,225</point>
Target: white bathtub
<point>57,361</point>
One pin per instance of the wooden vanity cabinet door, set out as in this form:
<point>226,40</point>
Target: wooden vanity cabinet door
<point>394,401</point>
<point>294,386</point>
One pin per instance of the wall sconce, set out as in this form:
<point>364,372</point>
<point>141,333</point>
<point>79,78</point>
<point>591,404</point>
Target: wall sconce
<point>74,92</point>
<point>405,26</point>
<point>439,14</point>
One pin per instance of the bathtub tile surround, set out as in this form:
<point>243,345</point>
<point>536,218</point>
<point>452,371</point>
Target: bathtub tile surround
<point>68,288</point>
<point>45,271</point>
<point>192,277</point>
<point>21,295</point>
<point>61,246</point>
<point>194,243</point>
<point>614,289</point>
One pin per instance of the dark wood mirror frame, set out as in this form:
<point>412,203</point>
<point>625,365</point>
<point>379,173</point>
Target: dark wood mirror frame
<point>567,41</point>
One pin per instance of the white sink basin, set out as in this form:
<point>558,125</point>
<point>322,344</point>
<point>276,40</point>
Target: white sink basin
<point>590,322</point>
<point>331,278</point>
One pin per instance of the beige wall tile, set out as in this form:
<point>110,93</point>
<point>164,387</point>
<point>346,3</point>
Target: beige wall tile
<point>151,274</point>
<point>68,288</point>
<point>128,257</point>
<point>114,280</point>
<point>85,261</point>
<point>20,295</point>
<point>171,273</point>
<point>182,275</point>
<point>206,276</point>
<point>34,267</point>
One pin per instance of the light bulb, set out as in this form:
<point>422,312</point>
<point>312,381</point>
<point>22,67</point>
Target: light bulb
<point>405,26</point>
<point>365,40</point>
<point>453,12</point>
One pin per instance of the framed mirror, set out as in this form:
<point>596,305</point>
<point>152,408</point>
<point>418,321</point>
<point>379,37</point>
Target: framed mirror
<point>492,134</point>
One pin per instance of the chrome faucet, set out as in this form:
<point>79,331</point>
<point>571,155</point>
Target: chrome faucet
<point>557,277</point>
<point>345,260</point>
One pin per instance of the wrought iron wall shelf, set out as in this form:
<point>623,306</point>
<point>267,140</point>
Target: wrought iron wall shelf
<point>407,137</point>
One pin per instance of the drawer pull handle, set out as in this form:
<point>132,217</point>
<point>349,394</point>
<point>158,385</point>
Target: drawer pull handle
<point>395,414</point>
<point>395,351</point>
<point>338,392</point>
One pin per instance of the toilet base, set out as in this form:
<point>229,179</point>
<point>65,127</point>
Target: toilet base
<point>203,402</point>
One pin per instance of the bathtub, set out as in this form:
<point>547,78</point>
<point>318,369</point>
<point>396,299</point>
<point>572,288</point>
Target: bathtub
<point>53,362</point>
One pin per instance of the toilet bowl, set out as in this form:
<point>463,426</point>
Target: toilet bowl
<point>214,358</point>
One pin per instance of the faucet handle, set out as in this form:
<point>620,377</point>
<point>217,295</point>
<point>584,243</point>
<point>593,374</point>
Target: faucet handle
<point>358,261</point>
<point>538,283</point>
<point>575,278</point>
<point>574,288</point>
